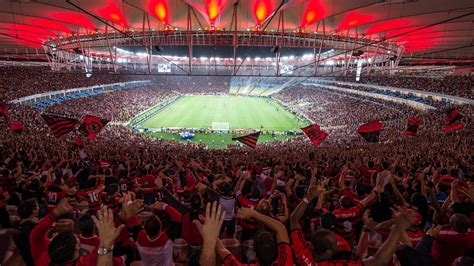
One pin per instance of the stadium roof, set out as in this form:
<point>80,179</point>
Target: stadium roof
<point>429,28</point>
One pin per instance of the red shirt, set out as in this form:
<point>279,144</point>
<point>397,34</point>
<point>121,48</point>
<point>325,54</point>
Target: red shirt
<point>126,184</point>
<point>147,181</point>
<point>190,232</point>
<point>347,219</point>
<point>304,253</point>
<point>92,198</point>
<point>449,245</point>
<point>285,257</point>
<point>415,236</point>
<point>53,195</point>
<point>250,223</point>
<point>39,245</point>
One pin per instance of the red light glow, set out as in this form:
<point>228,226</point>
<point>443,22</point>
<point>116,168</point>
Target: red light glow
<point>314,11</point>
<point>27,28</point>
<point>46,23</point>
<point>25,37</point>
<point>388,25</point>
<point>159,9</point>
<point>261,10</point>
<point>74,18</point>
<point>214,8</point>
<point>113,12</point>
<point>354,19</point>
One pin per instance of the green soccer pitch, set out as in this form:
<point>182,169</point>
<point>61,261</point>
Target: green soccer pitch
<point>240,112</point>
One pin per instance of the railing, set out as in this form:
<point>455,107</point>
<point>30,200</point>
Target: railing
<point>222,38</point>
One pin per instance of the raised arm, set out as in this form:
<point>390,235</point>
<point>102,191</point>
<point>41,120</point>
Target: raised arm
<point>278,227</point>
<point>311,194</point>
<point>404,218</point>
<point>210,233</point>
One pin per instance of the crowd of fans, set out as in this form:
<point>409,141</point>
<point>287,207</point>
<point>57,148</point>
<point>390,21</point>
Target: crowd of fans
<point>25,81</point>
<point>119,106</point>
<point>451,85</point>
<point>333,109</point>
<point>126,197</point>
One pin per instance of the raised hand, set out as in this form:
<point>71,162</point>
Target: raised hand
<point>212,222</point>
<point>130,207</point>
<point>106,227</point>
<point>404,217</point>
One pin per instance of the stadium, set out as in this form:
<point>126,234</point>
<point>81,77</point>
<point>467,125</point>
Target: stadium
<point>236,132</point>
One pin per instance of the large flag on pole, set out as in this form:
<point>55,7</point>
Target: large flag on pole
<point>370,131</point>
<point>412,126</point>
<point>452,121</point>
<point>92,125</point>
<point>59,125</point>
<point>315,134</point>
<point>249,140</point>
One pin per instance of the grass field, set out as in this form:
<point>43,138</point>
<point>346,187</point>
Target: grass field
<point>239,111</point>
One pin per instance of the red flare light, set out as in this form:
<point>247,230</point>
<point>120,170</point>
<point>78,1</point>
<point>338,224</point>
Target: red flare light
<point>113,12</point>
<point>354,19</point>
<point>314,11</point>
<point>261,10</point>
<point>159,9</point>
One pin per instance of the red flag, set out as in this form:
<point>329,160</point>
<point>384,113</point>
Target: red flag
<point>16,127</point>
<point>92,125</point>
<point>370,131</point>
<point>59,125</point>
<point>456,126</point>
<point>315,134</point>
<point>412,125</point>
<point>249,140</point>
<point>453,121</point>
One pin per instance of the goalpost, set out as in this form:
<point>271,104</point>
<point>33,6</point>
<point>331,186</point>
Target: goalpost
<point>220,126</point>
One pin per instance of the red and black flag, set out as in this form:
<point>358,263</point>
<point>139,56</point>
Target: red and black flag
<point>16,127</point>
<point>370,131</point>
<point>92,125</point>
<point>249,140</point>
<point>412,125</point>
<point>452,121</point>
<point>59,125</point>
<point>315,134</point>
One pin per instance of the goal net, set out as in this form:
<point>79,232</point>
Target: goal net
<point>220,126</point>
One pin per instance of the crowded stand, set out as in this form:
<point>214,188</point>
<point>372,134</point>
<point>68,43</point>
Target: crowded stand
<point>450,85</point>
<point>129,199</point>
<point>118,106</point>
<point>25,81</point>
